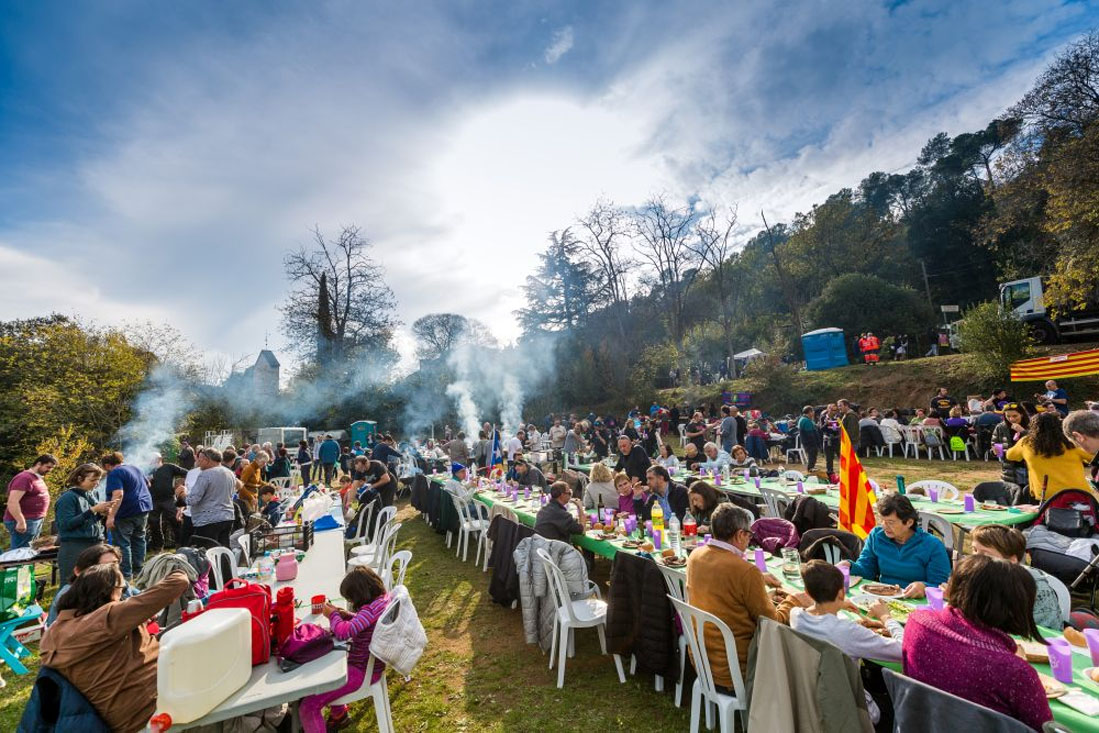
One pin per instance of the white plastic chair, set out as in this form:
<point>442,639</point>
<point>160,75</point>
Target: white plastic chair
<point>469,524</point>
<point>281,482</point>
<point>912,438</point>
<point>582,614</point>
<point>379,691</point>
<point>775,500</point>
<point>394,570</point>
<point>704,689</point>
<point>222,561</point>
<point>369,549</point>
<point>797,451</point>
<point>676,583</point>
<point>245,542</point>
<point>886,434</point>
<point>383,549</point>
<point>360,536</point>
<point>947,491</point>
<point>942,527</point>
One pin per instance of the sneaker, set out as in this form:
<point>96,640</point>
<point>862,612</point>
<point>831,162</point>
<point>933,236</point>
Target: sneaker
<point>332,724</point>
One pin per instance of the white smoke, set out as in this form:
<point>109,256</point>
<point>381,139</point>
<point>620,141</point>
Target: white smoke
<point>462,394</point>
<point>156,413</point>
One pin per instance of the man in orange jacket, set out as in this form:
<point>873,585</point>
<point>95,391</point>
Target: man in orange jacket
<point>870,347</point>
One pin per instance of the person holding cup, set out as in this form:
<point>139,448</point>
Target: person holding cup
<point>966,648</point>
<point>898,552</point>
<point>1014,428</point>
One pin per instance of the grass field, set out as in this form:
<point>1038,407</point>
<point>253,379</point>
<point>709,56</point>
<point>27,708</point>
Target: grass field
<point>478,674</point>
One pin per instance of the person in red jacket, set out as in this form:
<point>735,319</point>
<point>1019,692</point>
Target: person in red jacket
<point>870,350</point>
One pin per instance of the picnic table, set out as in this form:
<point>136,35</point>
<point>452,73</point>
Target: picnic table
<point>321,571</point>
<point>526,510</point>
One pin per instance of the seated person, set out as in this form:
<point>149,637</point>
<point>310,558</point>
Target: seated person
<point>965,649</point>
<point>703,500</point>
<point>716,459</point>
<point>890,428</point>
<point>270,506</point>
<point>956,424</point>
<point>554,520</point>
<point>667,458</point>
<point>741,459</point>
<point>722,582</point>
<point>671,496</point>
<point>527,474</point>
<point>600,491</point>
<point>1009,544</point>
<point>898,552</point>
<point>691,457</point>
<point>824,584</point>
<point>101,554</point>
<point>100,644</point>
<point>623,486</point>
<point>459,474</point>
<point>934,420</point>
<point>1054,463</point>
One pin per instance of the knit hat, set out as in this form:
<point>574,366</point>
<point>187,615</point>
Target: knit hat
<point>456,467</point>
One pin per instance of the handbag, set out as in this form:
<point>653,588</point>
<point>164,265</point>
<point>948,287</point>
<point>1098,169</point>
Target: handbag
<point>399,639</point>
<point>305,643</point>
<point>256,599</point>
<point>1067,522</point>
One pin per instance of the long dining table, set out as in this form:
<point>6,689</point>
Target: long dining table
<point>526,511</point>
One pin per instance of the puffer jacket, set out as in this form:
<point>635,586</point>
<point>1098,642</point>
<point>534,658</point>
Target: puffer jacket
<point>772,534</point>
<point>640,617</point>
<point>539,609</point>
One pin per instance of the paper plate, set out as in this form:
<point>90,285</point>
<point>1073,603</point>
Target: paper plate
<point>993,507</point>
<point>1053,688</point>
<point>949,510</point>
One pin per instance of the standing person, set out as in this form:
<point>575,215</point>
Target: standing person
<point>128,518</point>
<point>632,460</point>
<point>513,446</point>
<point>251,479</point>
<point>163,527</point>
<point>557,435</point>
<point>305,461</point>
<point>809,436</point>
<point>728,429</point>
<point>28,502</point>
<point>942,401</point>
<point>186,455</point>
<point>1056,395</point>
<point>574,444</point>
<point>211,499</point>
<point>741,424</point>
<point>600,440</point>
<point>280,467</point>
<point>457,449</point>
<point>873,349</point>
<point>328,454</point>
<point>696,430</point>
<point>79,517</point>
<point>365,594</point>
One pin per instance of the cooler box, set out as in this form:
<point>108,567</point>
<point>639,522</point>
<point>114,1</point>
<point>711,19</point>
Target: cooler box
<point>17,591</point>
<point>202,662</point>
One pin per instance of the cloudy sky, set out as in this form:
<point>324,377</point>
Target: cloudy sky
<point>157,159</point>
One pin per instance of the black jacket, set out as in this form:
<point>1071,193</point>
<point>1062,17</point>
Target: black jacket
<point>635,463</point>
<point>808,513</point>
<point>555,522</point>
<point>639,616</point>
<point>677,500</point>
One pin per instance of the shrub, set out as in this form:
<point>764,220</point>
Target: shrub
<point>993,338</point>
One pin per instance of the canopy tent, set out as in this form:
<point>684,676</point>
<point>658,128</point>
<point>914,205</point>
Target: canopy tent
<point>749,354</point>
<point>1058,366</point>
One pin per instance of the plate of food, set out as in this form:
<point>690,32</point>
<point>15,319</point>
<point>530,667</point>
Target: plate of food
<point>1053,687</point>
<point>669,560</point>
<point>631,544</point>
<point>992,507</point>
<point>883,590</point>
<point>607,536</point>
<point>816,490</point>
<point>949,510</point>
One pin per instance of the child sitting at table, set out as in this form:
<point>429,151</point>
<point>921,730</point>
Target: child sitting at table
<point>824,584</point>
<point>270,506</point>
<point>364,591</point>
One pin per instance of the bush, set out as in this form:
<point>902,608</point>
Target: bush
<point>859,303</point>
<point>993,338</point>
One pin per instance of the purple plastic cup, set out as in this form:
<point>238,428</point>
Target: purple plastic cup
<point>998,449</point>
<point>1092,638</point>
<point>970,503</point>
<point>656,539</point>
<point>1060,660</point>
<point>761,561</point>
<point>801,487</point>
<point>747,474</point>
<point>933,495</point>
<point>648,526</point>
<point>934,598</point>
<point>757,482</point>
<point>545,499</point>
<point>846,577</point>
<point>706,539</point>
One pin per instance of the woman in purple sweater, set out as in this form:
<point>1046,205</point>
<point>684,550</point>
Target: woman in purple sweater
<point>364,591</point>
<point>966,650</point>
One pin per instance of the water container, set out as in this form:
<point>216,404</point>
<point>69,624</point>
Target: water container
<point>203,662</point>
<point>287,567</point>
<point>266,568</point>
<point>673,534</point>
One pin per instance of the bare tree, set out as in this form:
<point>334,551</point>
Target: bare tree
<point>339,305</point>
<point>167,344</point>
<point>439,333</point>
<point>714,244</point>
<point>664,235</point>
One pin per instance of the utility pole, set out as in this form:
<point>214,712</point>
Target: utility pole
<point>926,283</point>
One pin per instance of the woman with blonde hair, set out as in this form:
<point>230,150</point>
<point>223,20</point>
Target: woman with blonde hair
<point>600,491</point>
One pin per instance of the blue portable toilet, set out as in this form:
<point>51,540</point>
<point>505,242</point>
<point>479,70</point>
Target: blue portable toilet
<point>362,430</point>
<point>824,349</point>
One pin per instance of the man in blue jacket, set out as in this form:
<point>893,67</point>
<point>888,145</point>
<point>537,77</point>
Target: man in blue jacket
<point>329,454</point>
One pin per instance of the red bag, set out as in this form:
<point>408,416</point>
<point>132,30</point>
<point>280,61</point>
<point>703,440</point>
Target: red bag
<point>256,600</point>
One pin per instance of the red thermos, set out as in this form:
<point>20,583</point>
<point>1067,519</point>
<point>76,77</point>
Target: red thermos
<point>284,616</point>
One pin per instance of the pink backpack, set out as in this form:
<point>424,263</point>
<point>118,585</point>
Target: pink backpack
<point>305,643</point>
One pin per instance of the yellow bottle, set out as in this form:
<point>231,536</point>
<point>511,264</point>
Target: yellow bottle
<point>658,517</point>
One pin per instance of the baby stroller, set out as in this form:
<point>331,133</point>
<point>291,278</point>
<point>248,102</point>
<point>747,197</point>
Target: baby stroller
<point>1059,537</point>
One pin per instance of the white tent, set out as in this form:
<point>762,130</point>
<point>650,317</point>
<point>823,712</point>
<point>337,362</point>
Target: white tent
<point>749,354</point>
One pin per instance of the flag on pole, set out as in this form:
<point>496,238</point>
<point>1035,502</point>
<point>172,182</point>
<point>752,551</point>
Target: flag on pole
<point>856,494</point>
<point>496,455</point>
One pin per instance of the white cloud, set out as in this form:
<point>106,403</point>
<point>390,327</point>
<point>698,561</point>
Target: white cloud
<point>560,45</point>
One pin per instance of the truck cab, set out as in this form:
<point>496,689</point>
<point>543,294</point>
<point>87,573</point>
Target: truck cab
<point>1025,297</point>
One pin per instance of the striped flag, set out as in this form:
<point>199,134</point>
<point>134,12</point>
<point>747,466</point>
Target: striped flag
<point>856,494</point>
<point>1076,364</point>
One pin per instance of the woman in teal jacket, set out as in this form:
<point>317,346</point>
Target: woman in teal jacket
<point>79,525</point>
<point>900,553</point>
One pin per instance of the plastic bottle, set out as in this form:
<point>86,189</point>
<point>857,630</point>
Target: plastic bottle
<point>674,534</point>
<point>266,568</point>
<point>657,516</point>
<point>690,526</point>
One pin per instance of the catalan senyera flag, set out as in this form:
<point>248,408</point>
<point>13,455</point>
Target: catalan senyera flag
<point>1057,366</point>
<point>856,495</point>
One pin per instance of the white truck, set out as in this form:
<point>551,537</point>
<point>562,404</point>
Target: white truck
<point>1026,298</point>
<point>289,437</point>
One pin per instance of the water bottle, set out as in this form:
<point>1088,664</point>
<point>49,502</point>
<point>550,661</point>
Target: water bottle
<point>266,568</point>
<point>673,534</point>
<point>657,516</point>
